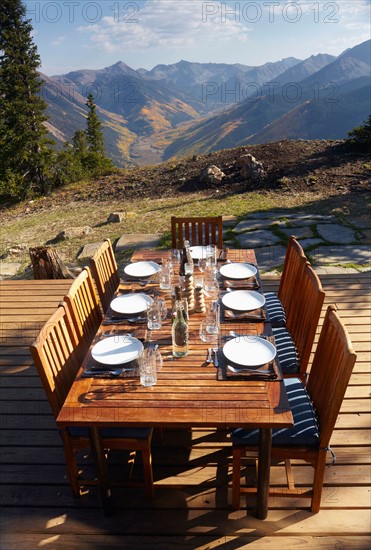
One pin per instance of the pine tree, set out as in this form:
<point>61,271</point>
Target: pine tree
<point>80,146</point>
<point>361,135</point>
<point>94,132</point>
<point>96,159</point>
<point>25,155</point>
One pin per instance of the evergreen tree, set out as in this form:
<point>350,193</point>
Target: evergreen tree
<point>361,135</point>
<point>96,160</point>
<point>25,155</point>
<point>94,132</point>
<point>80,146</point>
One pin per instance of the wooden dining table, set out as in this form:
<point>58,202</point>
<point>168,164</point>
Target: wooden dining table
<point>190,392</point>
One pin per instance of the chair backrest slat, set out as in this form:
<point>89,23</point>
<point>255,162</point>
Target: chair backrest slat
<point>55,355</point>
<point>105,273</point>
<point>197,230</point>
<point>293,268</point>
<point>332,367</point>
<point>84,309</point>
<point>304,313</point>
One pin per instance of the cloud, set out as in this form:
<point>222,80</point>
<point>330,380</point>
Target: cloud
<point>162,23</point>
<point>58,40</point>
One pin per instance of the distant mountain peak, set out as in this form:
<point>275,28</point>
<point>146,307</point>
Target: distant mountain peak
<point>218,104</point>
<point>120,68</point>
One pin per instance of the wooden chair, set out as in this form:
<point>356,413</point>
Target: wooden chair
<point>55,355</point>
<point>294,342</point>
<point>278,305</point>
<point>84,310</point>
<point>198,231</point>
<point>315,409</point>
<point>105,273</point>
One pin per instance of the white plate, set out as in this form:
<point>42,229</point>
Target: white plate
<point>249,351</point>
<point>197,252</point>
<point>142,269</point>
<point>116,350</point>
<point>243,300</point>
<point>238,271</point>
<point>129,304</point>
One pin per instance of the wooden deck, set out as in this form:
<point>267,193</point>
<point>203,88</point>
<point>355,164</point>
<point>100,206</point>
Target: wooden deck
<point>192,469</point>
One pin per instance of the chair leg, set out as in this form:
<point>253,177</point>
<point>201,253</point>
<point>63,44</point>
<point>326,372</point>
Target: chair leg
<point>236,478</point>
<point>148,474</point>
<point>319,472</point>
<point>72,469</point>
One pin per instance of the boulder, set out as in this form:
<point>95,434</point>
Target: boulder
<point>116,217</point>
<point>18,249</point>
<point>251,169</point>
<point>211,174</point>
<point>73,232</point>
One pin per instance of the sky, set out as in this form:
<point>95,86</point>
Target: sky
<point>84,34</point>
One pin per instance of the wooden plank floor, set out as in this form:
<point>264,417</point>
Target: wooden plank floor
<point>192,469</point>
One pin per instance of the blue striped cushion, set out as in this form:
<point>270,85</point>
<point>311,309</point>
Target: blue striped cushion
<point>112,433</point>
<point>286,351</point>
<point>275,309</point>
<point>305,430</point>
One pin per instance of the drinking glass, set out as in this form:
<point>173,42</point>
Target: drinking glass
<point>211,284</point>
<point>165,277</point>
<point>175,257</point>
<point>206,336</point>
<point>202,264</point>
<point>212,317</point>
<point>154,316</point>
<point>158,359</point>
<point>147,368</point>
<point>211,254</point>
<point>163,309</point>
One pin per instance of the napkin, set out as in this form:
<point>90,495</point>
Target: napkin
<point>253,315</point>
<point>139,333</point>
<point>250,284</point>
<point>251,374</point>
<point>95,370</point>
<point>121,319</point>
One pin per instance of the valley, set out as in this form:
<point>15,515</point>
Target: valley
<point>175,111</point>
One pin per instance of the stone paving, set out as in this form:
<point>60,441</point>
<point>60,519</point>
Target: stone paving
<point>332,246</point>
<point>327,242</point>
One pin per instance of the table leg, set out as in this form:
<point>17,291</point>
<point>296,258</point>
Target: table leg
<point>265,445</point>
<point>101,466</point>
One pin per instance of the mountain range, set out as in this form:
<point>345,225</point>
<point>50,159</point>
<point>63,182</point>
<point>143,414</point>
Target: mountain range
<point>188,108</point>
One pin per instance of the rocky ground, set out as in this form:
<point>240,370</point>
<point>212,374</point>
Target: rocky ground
<point>288,165</point>
<point>331,166</point>
<point>335,169</point>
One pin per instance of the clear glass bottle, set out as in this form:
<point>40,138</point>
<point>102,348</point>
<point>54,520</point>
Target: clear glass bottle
<point>183,301</point>
<point>183,260</point>
<point>179,331</point>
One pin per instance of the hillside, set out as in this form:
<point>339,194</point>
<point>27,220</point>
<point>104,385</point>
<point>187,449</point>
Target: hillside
<point>312,177</point>
<point>321,166</point>
<point>185,108</point>
<point>325,104</point>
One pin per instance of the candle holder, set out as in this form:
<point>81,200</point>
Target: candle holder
<point>199,299</point>
<point>189,291</point>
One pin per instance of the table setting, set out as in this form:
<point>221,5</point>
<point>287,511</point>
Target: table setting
<point>187,372</point>
<point>241,304</point>
<point>248,357</point>
<point>118,353</point>
<point>114,355</point>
